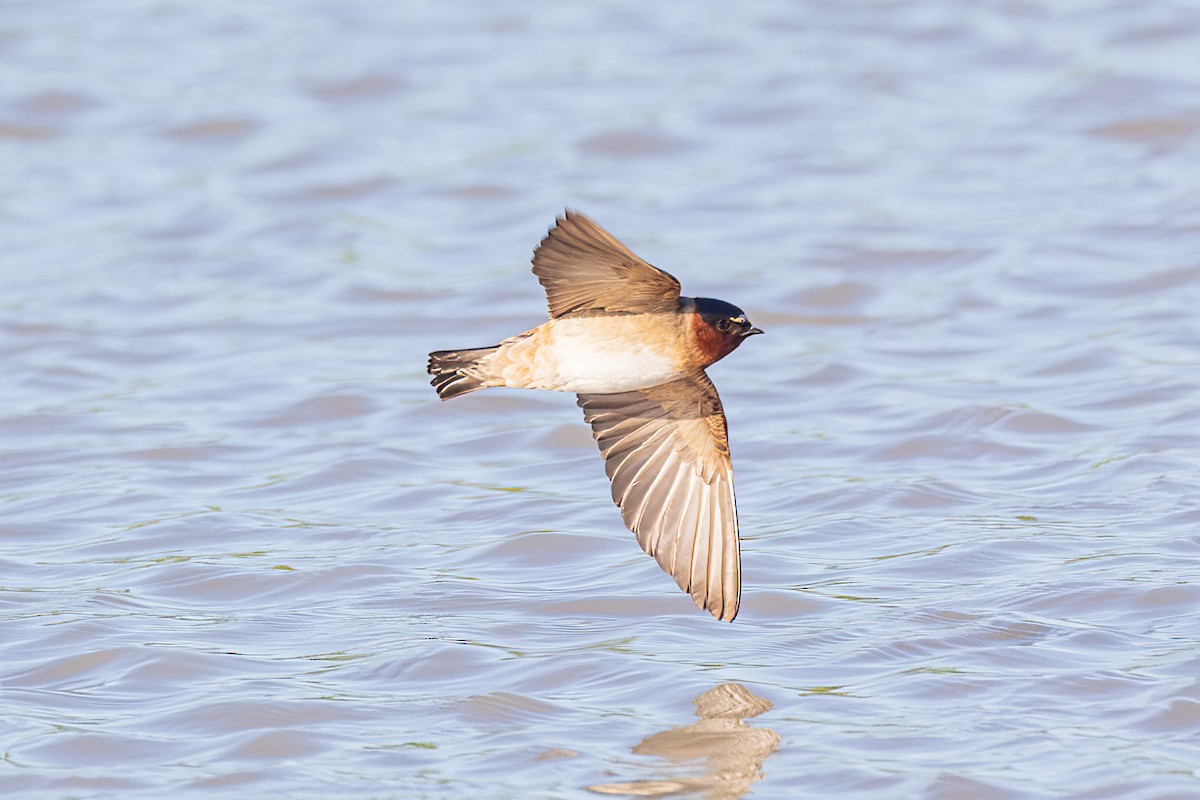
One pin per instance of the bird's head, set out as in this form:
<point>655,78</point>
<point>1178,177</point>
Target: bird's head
<point>719,327</point>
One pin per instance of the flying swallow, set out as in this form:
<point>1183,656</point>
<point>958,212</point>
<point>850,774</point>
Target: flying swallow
<point>622,339</point>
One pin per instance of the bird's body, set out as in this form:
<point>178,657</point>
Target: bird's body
<point>634,351</point>
<point>587,354</point>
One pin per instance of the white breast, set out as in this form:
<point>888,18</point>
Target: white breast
<point>607,354</point>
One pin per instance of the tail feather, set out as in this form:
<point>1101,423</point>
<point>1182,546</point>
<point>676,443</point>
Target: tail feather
<point>453,371</point>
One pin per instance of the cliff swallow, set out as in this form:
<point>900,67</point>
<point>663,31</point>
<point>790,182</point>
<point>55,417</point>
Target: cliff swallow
<point>622,339</point>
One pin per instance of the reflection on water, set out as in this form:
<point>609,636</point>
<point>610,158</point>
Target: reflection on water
<point>728,752</point>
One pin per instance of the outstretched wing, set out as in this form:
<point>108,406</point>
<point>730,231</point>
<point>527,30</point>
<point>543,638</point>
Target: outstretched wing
<point>666,451</point>
<point>583,267</point>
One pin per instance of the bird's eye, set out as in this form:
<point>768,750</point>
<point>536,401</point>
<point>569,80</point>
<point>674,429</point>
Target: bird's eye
<point>723,325</point>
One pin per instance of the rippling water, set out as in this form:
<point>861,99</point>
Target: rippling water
<point>245,551</point>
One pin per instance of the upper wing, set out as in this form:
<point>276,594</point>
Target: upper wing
<point>666,451</point>
<point>582,267</point>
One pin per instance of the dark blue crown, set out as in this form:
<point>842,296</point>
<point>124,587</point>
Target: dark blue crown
<point>711,310</point>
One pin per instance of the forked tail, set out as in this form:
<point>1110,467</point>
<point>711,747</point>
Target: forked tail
<point>455,371</point>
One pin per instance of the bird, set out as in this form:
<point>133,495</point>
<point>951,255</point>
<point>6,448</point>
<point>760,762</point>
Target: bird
<point>634,351</point>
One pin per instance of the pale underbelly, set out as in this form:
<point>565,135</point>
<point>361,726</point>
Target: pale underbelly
<point>598,355</point>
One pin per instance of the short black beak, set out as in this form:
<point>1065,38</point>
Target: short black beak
<point>750,332</point>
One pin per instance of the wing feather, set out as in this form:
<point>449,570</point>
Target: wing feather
<point>583,267</point>
<point>666,452</point>
<point>701,560</point>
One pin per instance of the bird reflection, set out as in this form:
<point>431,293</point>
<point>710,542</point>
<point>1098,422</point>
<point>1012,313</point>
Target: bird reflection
<point>732,752</point>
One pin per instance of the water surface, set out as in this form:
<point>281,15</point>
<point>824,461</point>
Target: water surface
<point>244,550</point>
